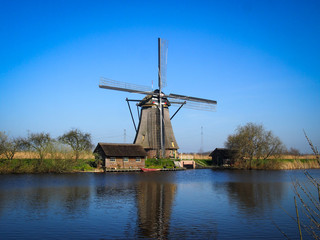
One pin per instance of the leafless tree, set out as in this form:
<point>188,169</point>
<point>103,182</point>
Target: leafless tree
<point>39,142</point>
<point>78,141</point>
<point>13,146</point>
<point>293,151</point>
<point>9,146</point>
<point>3,140</point>
<point>253,141</point>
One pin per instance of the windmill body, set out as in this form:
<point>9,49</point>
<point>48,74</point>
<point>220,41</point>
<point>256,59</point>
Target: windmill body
<point>155,131</point>
<point>148,132</point>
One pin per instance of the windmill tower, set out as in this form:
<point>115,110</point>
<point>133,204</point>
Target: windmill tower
<point>155,131</point>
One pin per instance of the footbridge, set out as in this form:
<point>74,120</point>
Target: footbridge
<point>189,164</point>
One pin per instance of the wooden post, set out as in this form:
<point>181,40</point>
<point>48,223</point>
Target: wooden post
<point>162,151</point>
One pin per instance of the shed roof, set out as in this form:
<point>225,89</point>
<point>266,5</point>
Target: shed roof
<point>223,151</point>
<point>121,150</point>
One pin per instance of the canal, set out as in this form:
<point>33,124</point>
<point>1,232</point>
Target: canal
<point>192,204</point>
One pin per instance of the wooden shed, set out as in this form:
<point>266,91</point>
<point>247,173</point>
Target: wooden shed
<point>116,156</point>
<point>223,156</point>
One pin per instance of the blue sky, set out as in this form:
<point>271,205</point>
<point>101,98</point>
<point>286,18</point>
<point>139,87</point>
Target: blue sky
<point>259,59</point>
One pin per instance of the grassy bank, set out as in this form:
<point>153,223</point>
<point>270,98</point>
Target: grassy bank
<point>46,165</point>
<point>33,165</point>
<point>159,163</point>
<point>279,164</point>
<point>64,165</point>
<point>203,162</point>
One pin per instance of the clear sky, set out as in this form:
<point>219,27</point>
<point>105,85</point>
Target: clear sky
<point>259,59</point>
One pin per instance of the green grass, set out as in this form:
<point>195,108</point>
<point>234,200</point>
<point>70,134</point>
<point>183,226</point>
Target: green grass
<point>67,165</point>
<point>159,163</point>
<point>169,163</point>
<point>45,166</point>
<point>204,162</point>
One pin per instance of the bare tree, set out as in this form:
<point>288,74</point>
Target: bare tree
<point>77,140</point>
<point>3,140</point>
<point>294,152</point>
<point>13,146</point>
<point>270,146</point>
<point>253,141</point>
<point>9,146</point>
<point>39,142</point>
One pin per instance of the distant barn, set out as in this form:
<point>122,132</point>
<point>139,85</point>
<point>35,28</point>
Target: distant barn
<point>223,156</point>
<point>116,156</point>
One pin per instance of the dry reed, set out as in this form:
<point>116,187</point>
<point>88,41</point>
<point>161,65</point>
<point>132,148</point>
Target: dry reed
<point>52,155</point>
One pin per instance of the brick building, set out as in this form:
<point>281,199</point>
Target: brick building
<point>116,156</point>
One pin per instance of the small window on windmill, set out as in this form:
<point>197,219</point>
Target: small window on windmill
<point>143,137</point>
<point>172,143</point>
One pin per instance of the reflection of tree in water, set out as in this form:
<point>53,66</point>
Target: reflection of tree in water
<point>154,201</point>
<point>254,197</point>
<point>252,192</point>
<point>73,200</point>
<point>43,197</point>
<point>76,199</point>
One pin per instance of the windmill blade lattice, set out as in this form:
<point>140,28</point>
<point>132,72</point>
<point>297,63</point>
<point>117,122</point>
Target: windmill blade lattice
<point>123,86</point>
<point>194,102</point>
<point>154,132</point>
<point>163,57</point>
<point>194,99</point>
<point>196,105</point>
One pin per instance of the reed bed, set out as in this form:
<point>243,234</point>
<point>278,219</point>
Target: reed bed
<point>279,164</point>
<point>50,155</point>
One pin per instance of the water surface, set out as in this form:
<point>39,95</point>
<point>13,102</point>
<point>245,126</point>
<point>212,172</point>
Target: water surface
<point>192,204</point>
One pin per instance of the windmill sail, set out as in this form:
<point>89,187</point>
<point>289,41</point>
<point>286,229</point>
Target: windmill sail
<point>155,131</point>
<point>196,106</point>
<point>195,99</point>
<point>123,86</point>
<point>163,62</point>
<point>194,102</point>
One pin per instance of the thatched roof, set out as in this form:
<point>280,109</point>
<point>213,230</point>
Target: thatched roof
<point>121,150</point>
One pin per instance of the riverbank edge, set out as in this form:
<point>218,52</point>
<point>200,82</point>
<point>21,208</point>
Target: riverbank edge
<point>279,164</point>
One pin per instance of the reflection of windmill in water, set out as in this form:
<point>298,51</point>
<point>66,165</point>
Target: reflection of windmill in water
<point>154,131</point>
<point>154,202</point>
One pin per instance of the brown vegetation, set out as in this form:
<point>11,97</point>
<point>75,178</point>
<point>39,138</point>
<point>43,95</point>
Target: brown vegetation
<point>296,164</point>
<point>307,156</point>
<point>279,164</point>
<point>54,155</point>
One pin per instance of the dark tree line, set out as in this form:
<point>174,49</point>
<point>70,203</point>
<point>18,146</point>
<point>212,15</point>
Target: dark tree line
<point>43,143</point>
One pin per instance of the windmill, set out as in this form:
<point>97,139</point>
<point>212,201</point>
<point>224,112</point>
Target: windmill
<point>155,131</point>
